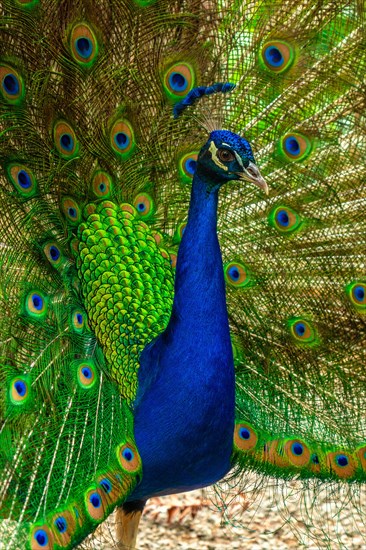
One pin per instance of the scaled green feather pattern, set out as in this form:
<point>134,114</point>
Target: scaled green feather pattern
<point>127,286</point>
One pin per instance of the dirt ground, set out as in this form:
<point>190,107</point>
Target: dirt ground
<point>276,518</point>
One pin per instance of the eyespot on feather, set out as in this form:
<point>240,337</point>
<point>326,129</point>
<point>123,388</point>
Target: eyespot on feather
<point>144,205</point>
<point>19,390</point>
<point>295,146</point>
<point>122,138</point>
<point>342,464</point>
<point>71,210</point>
<point>356,292</point>
<point>65,140</point>
<point>95,504</point>
<point>303,331</point>
<point>53,254</point>
<point>22,179</point>
<point>63,525</point>
<point>11,85</point>
<point>41,538</point>
<point>285,219</point>
<point>36,305</point>
<point>297,452</point>
<point>83,44</point>
<point>102,185</point>
<point>277,56</point>
<point>111,486</point>
<point>236,274</point>
<point>128,457</point>
<point>86,374</point>
<point>187,166</point>
<point>245,437</point>
<point>78,321</point>
<point>178,80</point>
<point>315,463</point>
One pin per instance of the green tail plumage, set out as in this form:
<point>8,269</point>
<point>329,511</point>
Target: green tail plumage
<point>94,191</point>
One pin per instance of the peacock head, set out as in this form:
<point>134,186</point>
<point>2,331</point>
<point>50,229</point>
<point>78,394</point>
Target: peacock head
<point>228,157</point>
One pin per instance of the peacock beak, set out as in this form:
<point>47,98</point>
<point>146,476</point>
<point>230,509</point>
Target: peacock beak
<point>252,174</point>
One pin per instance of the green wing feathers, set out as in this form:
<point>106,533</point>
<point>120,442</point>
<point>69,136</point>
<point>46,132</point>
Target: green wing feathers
<point>127,287</point>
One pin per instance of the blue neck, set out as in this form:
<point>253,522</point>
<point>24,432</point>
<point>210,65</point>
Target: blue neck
<point>199,282</point>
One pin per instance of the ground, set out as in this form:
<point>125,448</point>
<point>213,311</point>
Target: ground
<point>273,519</point>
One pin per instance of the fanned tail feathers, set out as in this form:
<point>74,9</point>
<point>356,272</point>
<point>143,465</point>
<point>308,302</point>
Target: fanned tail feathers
<point>95,185</point>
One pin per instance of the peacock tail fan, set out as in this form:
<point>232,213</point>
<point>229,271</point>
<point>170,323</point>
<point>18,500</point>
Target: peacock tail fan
<point>294,261</point>
<point>94,189</point>
<point>88,155</point>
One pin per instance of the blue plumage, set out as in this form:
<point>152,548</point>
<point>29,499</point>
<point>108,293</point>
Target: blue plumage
<point>185,438</point>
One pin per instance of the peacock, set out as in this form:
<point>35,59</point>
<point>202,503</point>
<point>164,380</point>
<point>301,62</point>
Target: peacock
<point>182,240</point>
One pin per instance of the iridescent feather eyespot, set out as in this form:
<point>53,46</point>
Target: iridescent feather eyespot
<point>65,140</point>
<point>128,457</point>
<point>112,488</point>
<point>95,504</point>
<point>71,210</point>
<point>342,464</point>
<point>303,331</point>
<point>356,292</point>
<point>11,85</point>
<point>295,146</point>
<point>63,525</point>
<point>236,274</point>
<point>86,374</point>
<point>102,185</point>
<point>122,138</point>
<point>245,437</point>
<point>41,538</point>
<point>106,485</point>
<point>19,390</point>
<point>277,56</point>
<point>187,166</point>
<point>144,205</point>
<point>60,524</point>
<point>53,254</point>
<point>297,452</point>
<point>36,305</point>
<point>83,44</point>
<point>178,80</point>
<point>285,219</point>
<point>22,179</point>
<point>78,320</point>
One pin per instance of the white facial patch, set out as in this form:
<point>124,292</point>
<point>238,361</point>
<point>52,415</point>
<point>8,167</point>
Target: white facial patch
<point>213,150</point>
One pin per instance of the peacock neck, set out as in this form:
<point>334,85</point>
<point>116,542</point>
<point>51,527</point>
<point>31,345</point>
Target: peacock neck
<point>199,282</point>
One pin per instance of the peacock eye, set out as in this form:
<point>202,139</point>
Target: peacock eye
<point>225,155</point>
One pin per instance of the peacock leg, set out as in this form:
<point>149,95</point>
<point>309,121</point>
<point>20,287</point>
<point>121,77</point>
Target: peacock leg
<point>127,521</point>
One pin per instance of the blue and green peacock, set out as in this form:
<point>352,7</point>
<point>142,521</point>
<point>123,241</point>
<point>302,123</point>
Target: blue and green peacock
<point>181,296</point>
